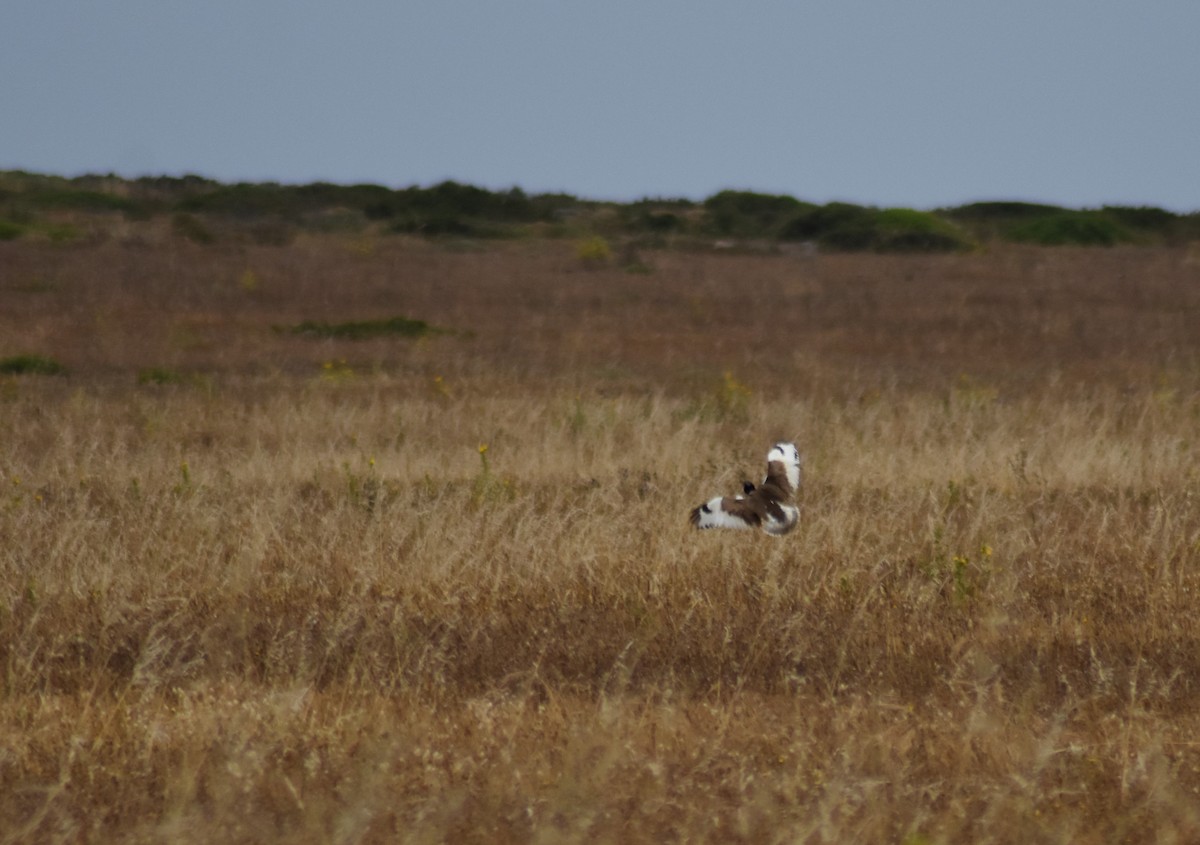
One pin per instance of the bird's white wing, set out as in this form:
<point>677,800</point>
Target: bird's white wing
<point>723,512</point>
<point>783,462</point>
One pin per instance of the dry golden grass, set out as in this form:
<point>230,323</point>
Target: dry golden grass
<point>292,598</point>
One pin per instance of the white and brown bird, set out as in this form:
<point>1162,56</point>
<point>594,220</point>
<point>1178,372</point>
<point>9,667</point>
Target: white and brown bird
<point>771,506</point>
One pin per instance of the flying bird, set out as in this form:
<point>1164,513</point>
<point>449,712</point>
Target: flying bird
<point>771,506</point>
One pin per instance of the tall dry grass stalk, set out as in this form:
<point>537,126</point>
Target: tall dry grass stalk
<point>280,601</point>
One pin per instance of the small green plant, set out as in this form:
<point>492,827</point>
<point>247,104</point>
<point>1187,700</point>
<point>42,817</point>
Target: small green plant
<point>60,233</point>
<point>159,375</point>
<point>249,281</point>
<point>727,400</point>
<point>971,577</point>
<point>364,488</point>
<point>37,365</point>
<point>577,420</point>
<point>440,388</point>
<point>184,486</point>
<point>10,230</point>
<point>971,393</point>
<point>189,226</point>
<point>364,329</point>
<point>487,487</point>
<point>337,371</point>
<point>594,252</point>
<point>732,397</point>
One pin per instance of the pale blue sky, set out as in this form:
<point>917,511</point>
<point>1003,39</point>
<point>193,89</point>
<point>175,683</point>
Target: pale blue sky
<point>924,103</point>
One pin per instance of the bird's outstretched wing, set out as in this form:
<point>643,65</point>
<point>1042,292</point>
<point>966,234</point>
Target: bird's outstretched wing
<point>726,512</point>
<point>783,469</point>
<point>769,506</point>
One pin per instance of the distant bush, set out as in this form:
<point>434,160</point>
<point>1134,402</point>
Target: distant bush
<point>85,201</point>
<point>173,186</point>
<point>655,222</point>
<point>272,233</point>
<point>1143,217</point>
<point>31,365</point>
<point>189,226</point>
<point>244,199</point>
<point>1002,210</point>
<point>439,224</point>
<point>271,213</point>
<point>1082,228</point>
<point>60,232</point>
<point>847,227</point>
<point>746,214</point>
<point>364,329</point>
<point>159,375</point>
<point>1051,225</point>
<point>839,225</point>
<point>656,216</point>
<point>906,230</point>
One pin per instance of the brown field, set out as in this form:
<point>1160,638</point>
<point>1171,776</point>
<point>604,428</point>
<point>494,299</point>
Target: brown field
<point>289,596</point>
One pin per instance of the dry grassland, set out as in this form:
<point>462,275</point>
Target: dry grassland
<point>289,596</point>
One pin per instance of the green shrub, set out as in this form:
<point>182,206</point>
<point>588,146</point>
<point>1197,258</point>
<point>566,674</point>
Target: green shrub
<point>159,375</point>
<point>846,227</point>
<point>364,329</point>
<point>1143,217</point>
<point>656,216</point>
<point>1003,210</point>
<point>243,199</point>
<point>272,233</point>
<point>750,215</point>
<point>437,225</point>
<point>10,230</point>
<point>1082,228</point>
<point>190,227</point>
<point>657,222</point>
<point>31,365</point>
<point>60,232</point>
<point>1052,225</point>
<point>907,230</point>
<point>85,201</point>
<point>838,225</point>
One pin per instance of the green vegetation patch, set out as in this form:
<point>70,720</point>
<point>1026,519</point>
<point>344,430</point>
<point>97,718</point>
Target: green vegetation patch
<point>85,201</point>
<point>1082,228</point>
<point>908,230</point>
<point>846,227</point>
<point>37,365</point>
<point>460,216</point>
<point>365,329</point>
<point>160,375</point>
<point>189,226</point>
<point>445,209</point>
<point>1004,210</point>
<point>747,214</point>
<point>1052,225</point>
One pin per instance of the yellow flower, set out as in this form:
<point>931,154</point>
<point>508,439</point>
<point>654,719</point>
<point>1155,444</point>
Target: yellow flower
<point>482,448</point>
<point>985,550</point>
